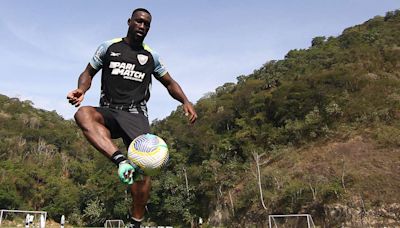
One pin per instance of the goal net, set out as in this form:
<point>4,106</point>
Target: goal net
<point>20,218</point>
<point>291,221</point>
<point>114,223</point>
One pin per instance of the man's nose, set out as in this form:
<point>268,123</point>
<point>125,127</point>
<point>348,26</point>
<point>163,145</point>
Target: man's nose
<point>141,25</point>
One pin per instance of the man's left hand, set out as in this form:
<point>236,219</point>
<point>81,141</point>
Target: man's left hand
<point>190,112</point>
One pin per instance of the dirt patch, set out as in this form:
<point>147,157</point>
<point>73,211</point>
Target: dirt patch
<point>365,168</point>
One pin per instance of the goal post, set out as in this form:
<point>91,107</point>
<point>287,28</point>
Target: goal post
<point>37,217</point>
<point>276,220</point>
<point>114,223</point>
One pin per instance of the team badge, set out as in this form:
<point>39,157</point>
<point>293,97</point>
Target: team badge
<point>142,59</point>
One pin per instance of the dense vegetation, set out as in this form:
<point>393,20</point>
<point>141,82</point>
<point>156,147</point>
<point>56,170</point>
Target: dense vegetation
<point>282,116</point>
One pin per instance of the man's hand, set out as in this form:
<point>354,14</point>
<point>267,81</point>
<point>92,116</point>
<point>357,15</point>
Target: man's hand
<point>75,97</point>
<point>190,112</point>
<point>126,172</point>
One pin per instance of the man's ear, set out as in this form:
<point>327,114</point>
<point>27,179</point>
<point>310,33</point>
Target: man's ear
<point>129,21</point>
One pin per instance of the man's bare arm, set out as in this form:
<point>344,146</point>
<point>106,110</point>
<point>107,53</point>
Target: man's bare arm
<point>177,93</point>
<point>75,97</point>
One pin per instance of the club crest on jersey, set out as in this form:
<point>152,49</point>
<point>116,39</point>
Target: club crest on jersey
<point>142,59</point>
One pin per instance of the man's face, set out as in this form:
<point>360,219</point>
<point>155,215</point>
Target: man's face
<point>139,25</point>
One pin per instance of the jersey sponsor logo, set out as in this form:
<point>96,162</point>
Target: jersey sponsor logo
<point>142,59</point>
<point>127,71</point>
<point>115,54</point>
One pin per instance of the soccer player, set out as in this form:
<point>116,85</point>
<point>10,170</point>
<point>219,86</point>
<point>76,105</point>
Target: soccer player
<point>127,66</point>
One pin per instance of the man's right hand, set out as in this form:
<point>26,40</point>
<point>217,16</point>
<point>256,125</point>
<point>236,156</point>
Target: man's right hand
<point>75,97</point>
<point>126,173</point>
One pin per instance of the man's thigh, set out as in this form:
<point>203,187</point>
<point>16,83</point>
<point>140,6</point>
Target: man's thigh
<point>110,122</point>
<point>124,125</point>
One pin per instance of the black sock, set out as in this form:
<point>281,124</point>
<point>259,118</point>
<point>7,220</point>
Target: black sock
<point>118,157</point>
<point>136,222</point>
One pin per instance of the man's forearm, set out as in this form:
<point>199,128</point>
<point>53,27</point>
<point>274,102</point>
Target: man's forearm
<point>177,93</point>
<point>84,82</point>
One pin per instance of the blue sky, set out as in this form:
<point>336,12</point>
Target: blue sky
<point>46,44</point>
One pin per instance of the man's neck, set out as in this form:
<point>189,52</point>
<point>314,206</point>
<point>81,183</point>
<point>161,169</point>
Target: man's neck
<point>133,43</point>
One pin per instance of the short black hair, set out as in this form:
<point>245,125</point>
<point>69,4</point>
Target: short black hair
<point>142,10</point>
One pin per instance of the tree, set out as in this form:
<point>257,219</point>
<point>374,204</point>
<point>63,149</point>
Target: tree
<point>318,41</point>
<point>258,163</point>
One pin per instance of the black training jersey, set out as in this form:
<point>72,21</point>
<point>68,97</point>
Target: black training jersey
<point>126,75</point>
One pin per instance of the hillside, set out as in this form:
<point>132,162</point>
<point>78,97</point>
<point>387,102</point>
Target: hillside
<point>46,164</point>
<point>322,125</point>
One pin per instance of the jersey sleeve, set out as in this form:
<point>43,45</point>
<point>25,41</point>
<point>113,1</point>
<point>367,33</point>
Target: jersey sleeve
<point>98,58</point>
<point>160,69</point>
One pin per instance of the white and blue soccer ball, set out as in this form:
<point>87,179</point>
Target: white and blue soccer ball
<point>149,152</point>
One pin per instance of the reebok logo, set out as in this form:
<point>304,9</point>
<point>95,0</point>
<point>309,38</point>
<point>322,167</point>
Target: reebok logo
<point>127,71</point>
<point>115,54</point>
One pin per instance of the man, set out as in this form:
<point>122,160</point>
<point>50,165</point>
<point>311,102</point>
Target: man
<point>127,65</point>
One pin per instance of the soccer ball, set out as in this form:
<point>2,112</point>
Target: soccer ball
<point>149,152</point>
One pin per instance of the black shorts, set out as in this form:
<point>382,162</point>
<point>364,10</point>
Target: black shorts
<point>124,124</point>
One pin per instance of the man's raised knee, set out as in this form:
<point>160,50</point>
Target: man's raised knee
<point>84,115</point>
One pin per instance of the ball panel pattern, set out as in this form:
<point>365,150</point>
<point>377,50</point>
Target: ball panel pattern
<point>149,152</point>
